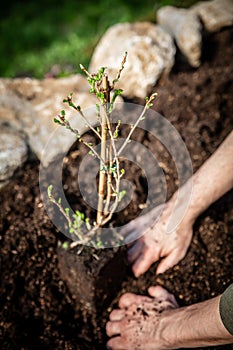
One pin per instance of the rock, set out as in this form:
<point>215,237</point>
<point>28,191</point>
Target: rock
<point>215,14</point>
<point>30,105</point>
<point>150,50</point>
<point>13,153</point>
<point>184,25</point>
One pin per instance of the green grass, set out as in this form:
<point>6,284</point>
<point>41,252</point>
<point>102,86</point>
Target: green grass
<point>37,35</point>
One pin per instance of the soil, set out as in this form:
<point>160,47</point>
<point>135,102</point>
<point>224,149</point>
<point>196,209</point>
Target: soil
<point>38,309</point>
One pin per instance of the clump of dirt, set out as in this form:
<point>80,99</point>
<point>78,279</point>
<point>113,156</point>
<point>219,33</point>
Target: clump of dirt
<point>38,310</point>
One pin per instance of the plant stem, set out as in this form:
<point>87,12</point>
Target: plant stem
<point>109,180</point>
<point>104,132</point>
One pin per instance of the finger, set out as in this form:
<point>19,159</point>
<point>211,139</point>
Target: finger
<point>127,299</point>
<point>144,261</point>
<point>130,299</point>
<point>169,261</point>
<point>115,344</point>
<point>117,315</point>
<point>161,293</point>
<point>113,328</point>
<point>134,251</point>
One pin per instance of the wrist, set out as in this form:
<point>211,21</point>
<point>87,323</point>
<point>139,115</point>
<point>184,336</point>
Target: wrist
<point>187,202</point>
<point>194,326</point>
<point>181,209</point>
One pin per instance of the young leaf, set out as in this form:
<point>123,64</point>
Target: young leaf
<point>121,195</point>
<point>57,121</point>
<point>88,224</point>
<point>49,190</point>
<point>65,245</point>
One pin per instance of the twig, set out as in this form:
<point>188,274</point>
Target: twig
<point>78,109</point>
<point>141,116</point>
<point>104,132</point>
<point>120,69</point>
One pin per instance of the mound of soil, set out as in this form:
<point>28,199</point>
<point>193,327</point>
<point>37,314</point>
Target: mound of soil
<point>38,310</point>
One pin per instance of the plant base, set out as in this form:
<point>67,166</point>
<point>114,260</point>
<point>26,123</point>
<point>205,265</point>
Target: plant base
<point>94,278</point>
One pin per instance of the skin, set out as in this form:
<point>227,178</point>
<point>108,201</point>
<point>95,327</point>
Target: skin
<point>209,183</point>
<point>158,322</point>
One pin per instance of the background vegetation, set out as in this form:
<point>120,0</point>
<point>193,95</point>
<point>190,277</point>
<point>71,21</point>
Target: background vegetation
<point>51,37</point>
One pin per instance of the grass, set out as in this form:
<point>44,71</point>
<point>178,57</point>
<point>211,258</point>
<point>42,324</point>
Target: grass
<point>37,36</point>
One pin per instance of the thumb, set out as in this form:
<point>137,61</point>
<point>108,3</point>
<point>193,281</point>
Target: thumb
<point>168,262</point>
<point>161,293</point>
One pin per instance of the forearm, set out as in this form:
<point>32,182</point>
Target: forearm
<point>211,181</point>
<point>196,325</point>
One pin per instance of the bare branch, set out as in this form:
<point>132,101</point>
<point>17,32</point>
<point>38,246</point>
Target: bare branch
<point>140,118</point>
<point>120,69</point>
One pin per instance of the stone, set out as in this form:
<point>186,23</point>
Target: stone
<point>185,27</point>
<point>151,53</point>
<point>215,14</point>
<point>13,153</point>
<point>30,105</point>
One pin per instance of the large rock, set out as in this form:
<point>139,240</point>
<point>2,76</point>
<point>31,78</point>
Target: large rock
<point>13,153</point>
<point>215,14</point>
<point>30,105</point>
<point>150,50</point>
<point>184,25</point>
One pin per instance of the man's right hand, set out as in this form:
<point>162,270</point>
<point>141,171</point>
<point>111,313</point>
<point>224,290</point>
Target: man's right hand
<point>155,242</point>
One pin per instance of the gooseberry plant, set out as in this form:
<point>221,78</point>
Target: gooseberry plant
<point>110,170</point>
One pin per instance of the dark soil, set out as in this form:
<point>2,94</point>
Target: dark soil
<point>38,310</point>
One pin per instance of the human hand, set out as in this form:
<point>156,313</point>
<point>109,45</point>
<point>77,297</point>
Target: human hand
<point>155,242</point>
<point>137,321</point>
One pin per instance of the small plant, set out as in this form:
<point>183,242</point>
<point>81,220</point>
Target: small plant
<point>110,170</point>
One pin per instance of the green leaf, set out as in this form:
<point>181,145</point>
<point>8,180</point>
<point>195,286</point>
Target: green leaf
<point>110,107</point>
<point>65,245</point>
<point>99,244</point>
<point>57,121</point>
<point>100,95</point>
<point>121,195</point>
<point>49,190</point>
<point>63,113</point>
<point>97,107</point>
<point>118,92</point>
<point>87,224</point>
<point>101,70</point>
<point>71,104</point>
<point>71,230</point>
